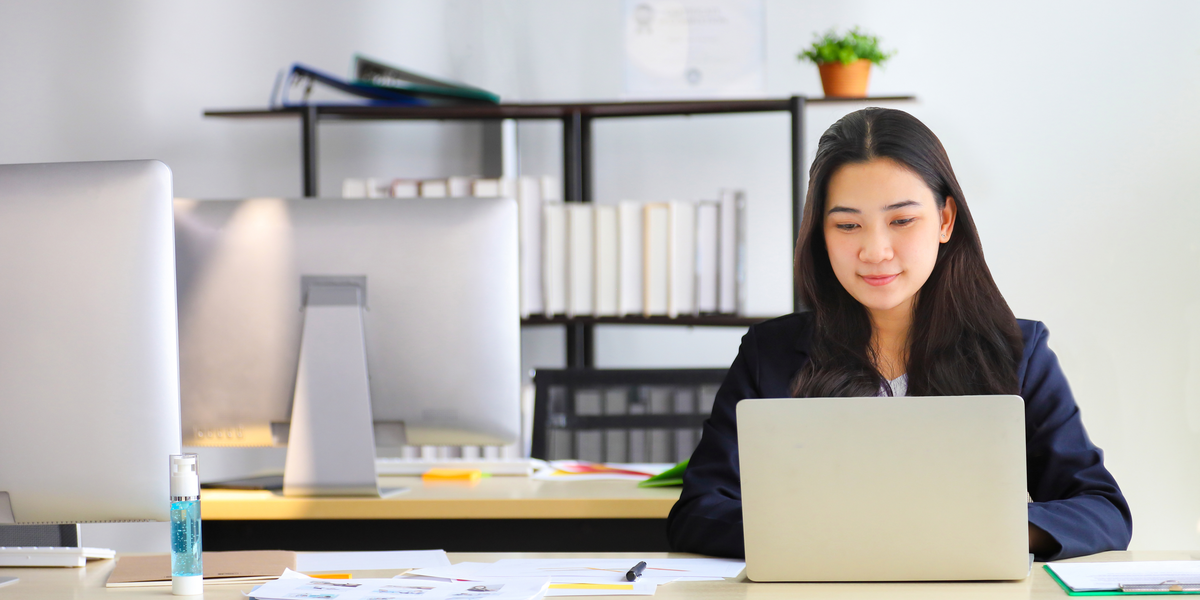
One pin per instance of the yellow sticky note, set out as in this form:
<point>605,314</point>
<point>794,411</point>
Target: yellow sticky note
<point>591,586</point>
<point>454,474</point>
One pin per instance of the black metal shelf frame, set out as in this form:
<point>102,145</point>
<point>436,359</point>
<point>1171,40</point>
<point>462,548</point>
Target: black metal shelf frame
<point>576,120</point>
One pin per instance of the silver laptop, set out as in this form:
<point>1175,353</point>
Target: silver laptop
<point>884,489</point>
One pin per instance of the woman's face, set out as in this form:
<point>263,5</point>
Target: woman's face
<point>882,231</point>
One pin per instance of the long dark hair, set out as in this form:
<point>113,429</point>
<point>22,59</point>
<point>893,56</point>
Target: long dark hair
<point>963,340</point>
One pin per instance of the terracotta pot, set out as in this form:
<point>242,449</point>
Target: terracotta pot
<point>846,81</point>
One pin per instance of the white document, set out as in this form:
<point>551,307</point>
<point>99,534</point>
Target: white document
<point>581,259</point>
<point>695,48</point>
<point>629,234</point>
<point>707,269</point>
<point>607,260</point>
<point>462,571</point>
<point>468,572</point>
<point>656,260</point>
<point>292,585</point>
<point>612,570</point>
<point>554,258</point>
<point>681,292</point>
<point>529,224</point>
<point>310,562</point>
<point>1098,576</point>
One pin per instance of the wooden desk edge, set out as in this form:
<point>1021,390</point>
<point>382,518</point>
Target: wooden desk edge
<point>259,508</point>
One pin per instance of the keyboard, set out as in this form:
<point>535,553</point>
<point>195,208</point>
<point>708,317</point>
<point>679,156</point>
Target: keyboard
<point>50,556</point>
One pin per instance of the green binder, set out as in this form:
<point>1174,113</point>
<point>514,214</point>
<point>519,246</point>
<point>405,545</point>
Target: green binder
<point>1071,592</point>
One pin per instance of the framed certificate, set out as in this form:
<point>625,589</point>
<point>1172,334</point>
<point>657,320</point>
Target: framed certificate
<point>694,49</point>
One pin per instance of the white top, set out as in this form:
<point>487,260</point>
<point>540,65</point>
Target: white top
<point>899,387</point>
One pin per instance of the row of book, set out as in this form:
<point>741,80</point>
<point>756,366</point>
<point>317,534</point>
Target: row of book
<point>674,258</point>
<point>451,187</point>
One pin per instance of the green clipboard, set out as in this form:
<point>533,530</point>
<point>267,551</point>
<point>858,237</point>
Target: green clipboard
<point>672,476</point>
<point>1071,592</point>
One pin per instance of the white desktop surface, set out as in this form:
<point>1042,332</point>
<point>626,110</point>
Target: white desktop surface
<point>88,582</point>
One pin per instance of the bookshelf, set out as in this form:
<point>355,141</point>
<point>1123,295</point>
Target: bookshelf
<point>576,119</point>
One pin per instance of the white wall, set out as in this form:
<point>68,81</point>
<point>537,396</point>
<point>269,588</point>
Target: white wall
<point>1071,125</point>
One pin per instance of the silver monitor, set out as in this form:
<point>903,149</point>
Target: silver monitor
<point>89,371</point>
<point>432,284</point>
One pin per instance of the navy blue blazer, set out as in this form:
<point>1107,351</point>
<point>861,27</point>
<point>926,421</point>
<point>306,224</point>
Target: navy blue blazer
<point>1075,499</point>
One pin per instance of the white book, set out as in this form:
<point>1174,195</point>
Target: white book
<point>552,189</point>
<point>508,187</point>
<point>681,293</point>
<point>406,188</point>
<point>434,188</point>
<point>607,260</point>
<point>656,261</point>
<point>354,188</point>
<point>485,188</point>
<point>554,258</point>
<point>581,251</point>
<point>458,187</point>
<point>378,188</point>
<point>529,226</point>
<point>707,240</point>
<point>629,232</point>
<point>739,270</point>
<point>732,251</point>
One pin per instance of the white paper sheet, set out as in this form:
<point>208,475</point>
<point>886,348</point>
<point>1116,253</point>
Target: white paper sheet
<point>462,570</point>
<point>658,570</point>
<point>1097,576</point>
<point>468,571</point>
<point>316,562</point>
<point>291,587</point>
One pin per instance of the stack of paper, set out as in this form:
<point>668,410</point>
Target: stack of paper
<point>265,565</point>
<point>292,585</point>
<point>579,470</point>
<point>587,577</point>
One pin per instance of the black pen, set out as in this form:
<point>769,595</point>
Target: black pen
<point>636,571</point>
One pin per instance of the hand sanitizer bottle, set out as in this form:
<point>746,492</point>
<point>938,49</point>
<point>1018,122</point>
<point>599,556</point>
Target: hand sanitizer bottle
<point>187,569</point>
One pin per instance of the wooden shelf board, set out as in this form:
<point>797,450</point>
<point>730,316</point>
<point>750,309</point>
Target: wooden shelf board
<point>542,110</point>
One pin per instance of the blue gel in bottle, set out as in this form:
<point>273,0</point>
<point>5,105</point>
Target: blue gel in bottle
<point>185,539</point>
<point>187,565</point>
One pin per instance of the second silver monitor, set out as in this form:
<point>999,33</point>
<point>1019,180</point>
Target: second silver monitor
<point>441,316</point>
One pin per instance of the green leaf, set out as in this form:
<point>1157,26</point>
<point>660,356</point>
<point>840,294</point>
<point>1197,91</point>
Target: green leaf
<point>847,48</point>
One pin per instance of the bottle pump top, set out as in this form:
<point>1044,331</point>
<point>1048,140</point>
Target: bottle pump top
<point>185,480</point>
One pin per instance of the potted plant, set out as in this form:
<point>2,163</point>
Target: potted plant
<point>845,61</point>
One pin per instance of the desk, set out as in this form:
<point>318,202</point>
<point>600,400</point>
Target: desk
<point>499,514</point>
<point>88,583</point>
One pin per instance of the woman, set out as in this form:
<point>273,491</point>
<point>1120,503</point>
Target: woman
<point>900,303</point>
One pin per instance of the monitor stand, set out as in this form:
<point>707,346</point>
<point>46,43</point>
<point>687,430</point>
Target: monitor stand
<point>331,444</point>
